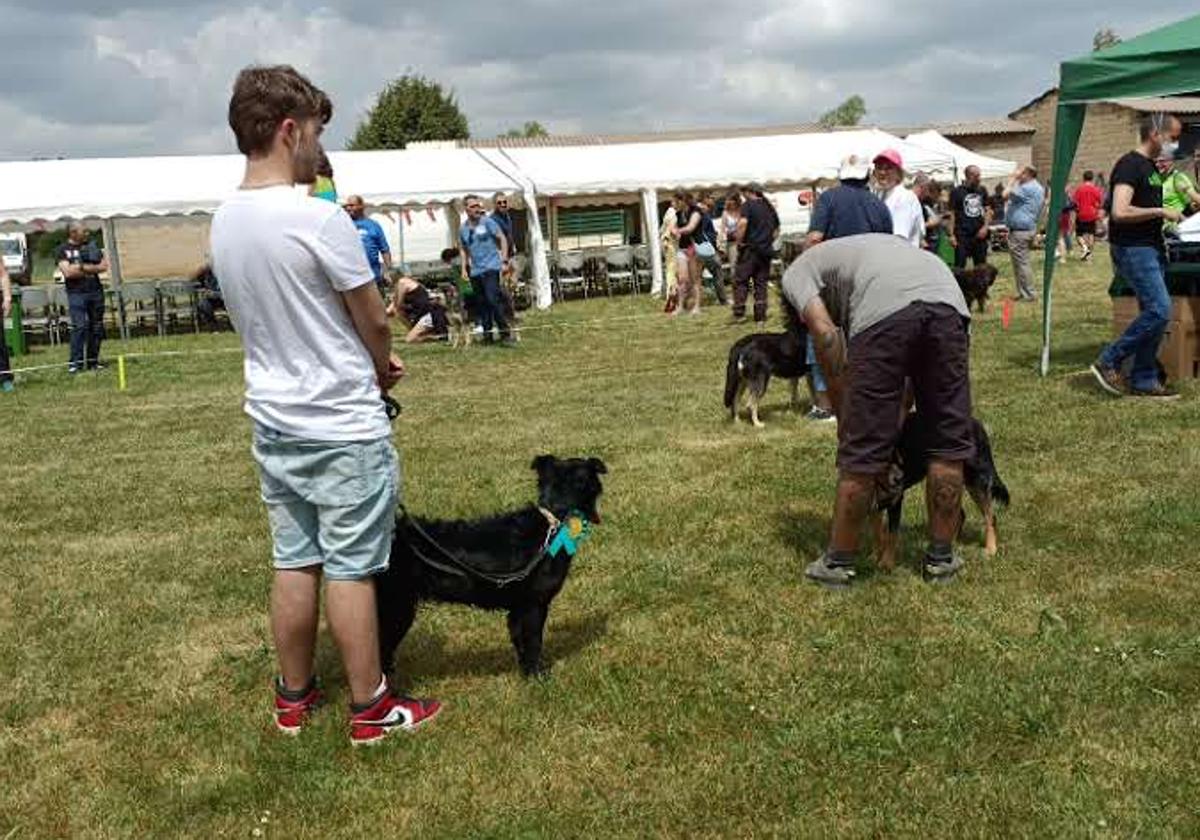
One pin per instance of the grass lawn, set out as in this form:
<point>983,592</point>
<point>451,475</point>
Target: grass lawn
<point>700,688</point>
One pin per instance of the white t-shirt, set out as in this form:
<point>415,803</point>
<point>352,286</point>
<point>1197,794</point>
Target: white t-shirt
<point>908,219</point>
<point>282,259</point>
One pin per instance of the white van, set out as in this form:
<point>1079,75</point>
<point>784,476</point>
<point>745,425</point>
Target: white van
<point>17,261</point>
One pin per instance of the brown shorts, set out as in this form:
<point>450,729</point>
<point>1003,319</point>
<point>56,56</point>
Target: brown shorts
<point>929,344</point>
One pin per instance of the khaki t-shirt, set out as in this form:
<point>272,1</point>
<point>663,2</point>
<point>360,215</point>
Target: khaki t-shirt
<point>864,279</point>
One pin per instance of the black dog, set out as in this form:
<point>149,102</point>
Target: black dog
<point>507,562</point>
<point>754,359</point>
<point>909,465</point>
<point>975,283</point>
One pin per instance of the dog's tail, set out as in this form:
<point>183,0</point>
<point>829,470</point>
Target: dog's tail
<point>732,374</point>
<point>999,490</point>
<point>983,444</point>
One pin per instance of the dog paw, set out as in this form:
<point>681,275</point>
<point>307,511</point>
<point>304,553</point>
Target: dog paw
<point>539,672</point>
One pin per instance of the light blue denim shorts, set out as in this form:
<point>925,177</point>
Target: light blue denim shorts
<point>330,504</point>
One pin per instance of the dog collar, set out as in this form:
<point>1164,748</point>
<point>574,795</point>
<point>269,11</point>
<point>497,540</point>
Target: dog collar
<point>566,534</point>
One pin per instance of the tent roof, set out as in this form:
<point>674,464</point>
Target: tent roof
<point>54,190</point>
<point>1159,63</point>
<point>779,160</point>
<point>989,167</point>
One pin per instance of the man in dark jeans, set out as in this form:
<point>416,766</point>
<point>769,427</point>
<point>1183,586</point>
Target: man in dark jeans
<point>81,263</point>
<point>483,247</point>
<point>881,312</point>
<point>754,235</point>
<point>1135,233</point>
<point>970,218</point>
<point>6,377</point>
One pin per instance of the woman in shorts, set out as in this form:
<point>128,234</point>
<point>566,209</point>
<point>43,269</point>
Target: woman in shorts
<point>426,319</point>
<point>687,264</point>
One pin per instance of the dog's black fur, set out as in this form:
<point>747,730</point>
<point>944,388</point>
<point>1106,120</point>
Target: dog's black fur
<point>754,359</point>
<point>975,282</point>
<point>910,463</point>
<point>496,545</point>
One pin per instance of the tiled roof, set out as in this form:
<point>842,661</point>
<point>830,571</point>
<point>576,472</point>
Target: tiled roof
<point>1171,104</point>
<point>995,125</point>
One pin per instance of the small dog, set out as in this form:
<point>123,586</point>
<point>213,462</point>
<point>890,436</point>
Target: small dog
<point>510,562</point>
<point>910,463</point>
<point>975,283</point>
<point>754,359</point>
<point>458,327</point>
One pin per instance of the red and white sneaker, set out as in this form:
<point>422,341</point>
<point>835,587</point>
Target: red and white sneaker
<point>292,712</point>
<point>387,714</point>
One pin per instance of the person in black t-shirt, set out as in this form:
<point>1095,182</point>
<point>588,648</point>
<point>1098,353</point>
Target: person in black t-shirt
<point>970,216</point>
<point>6,377</point>
<point>755,237</point>
<point>1135,234</point>
<point>81,263</point>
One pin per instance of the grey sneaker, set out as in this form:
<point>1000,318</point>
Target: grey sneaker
<point>936,570</point>
<point>820,415</point>
<point>1110,379</point>
<point>830,574</point>
<point>1162,393</point>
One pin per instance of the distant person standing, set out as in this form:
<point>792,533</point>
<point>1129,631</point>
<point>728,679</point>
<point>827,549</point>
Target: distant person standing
<point>508,278</point>
<point>970,217</point>
<point>1135,235</point>
<point>1089,203</point>
<point>849,209</point>
<point>483,245</point>
<point>729,226</point>
<point>755,237</point>
<point>6,377</point>
<point>323,187</point>
<point>706,248</point>
<point>1024,197</point>
<point>81,263</point>
<point>908,219</point>
<point>374,242</point>
<point>929,193</point>
<point>1179,193</point>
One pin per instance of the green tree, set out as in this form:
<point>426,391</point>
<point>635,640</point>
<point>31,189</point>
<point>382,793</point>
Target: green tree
<point>1104,38</point>
<point>532,128</point>
<point>848,113</point>
<point>409,110</point>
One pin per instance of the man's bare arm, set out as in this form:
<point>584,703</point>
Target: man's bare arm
<point>1124,211</point>
<point>370,322</point>
<point>831,349</point>
<point>814,237</point>
<point>5,292</point>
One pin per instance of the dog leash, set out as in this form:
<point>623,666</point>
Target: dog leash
<point>460,568</point>
<point>391,407</point>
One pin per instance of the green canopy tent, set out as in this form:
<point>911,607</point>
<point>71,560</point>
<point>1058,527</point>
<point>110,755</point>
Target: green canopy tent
<point>1165,62</point>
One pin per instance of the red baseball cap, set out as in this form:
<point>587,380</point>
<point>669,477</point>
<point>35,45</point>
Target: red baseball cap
<point>891,156</point>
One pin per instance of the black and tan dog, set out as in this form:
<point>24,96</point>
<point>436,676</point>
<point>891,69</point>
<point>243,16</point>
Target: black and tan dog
<point>754,359</point>
<point>458,327</point>
<point>975,282</point>
<point>516,562</point>
<point>909,465</point>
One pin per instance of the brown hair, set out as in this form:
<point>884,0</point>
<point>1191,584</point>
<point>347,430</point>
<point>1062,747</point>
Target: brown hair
<point>263,97</point>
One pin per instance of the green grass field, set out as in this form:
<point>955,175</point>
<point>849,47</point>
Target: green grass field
<point>700,688</point>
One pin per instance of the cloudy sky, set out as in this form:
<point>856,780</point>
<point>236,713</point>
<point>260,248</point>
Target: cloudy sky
<point>133,77</point>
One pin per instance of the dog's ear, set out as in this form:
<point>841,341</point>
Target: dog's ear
<point>597,466</point>
<point>542,464</point>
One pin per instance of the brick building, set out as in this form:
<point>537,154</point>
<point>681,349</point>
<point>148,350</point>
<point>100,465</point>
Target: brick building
<point>1110,129</point>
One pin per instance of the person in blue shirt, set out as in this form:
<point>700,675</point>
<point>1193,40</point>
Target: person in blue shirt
<point>508,279</point>
<point>379,255</point>
<point>484,250</point>
<point>1023,198</point>
<point>849,209</point>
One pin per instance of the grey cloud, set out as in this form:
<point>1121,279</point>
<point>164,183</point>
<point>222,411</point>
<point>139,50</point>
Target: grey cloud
<point>622,65</point>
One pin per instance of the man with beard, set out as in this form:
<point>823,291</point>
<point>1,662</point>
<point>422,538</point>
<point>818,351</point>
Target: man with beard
<point>317,357</point>
<point>970,216</point>
<point>1135,233</point>
<point>374,241</point>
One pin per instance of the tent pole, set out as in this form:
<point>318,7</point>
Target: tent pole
<point>651,223</point>
<point>537,250</point>
<point>114,269</point>
<point>1068,125</point>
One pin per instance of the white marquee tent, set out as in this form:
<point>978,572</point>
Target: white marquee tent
<point>776,161</point>
<point>990,168</point>
<point>41,192</point>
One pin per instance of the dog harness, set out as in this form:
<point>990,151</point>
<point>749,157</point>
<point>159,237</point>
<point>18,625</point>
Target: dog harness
<point>561,536</point>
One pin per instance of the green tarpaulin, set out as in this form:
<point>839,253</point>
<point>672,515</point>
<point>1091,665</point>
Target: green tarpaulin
<point>1165,62</point>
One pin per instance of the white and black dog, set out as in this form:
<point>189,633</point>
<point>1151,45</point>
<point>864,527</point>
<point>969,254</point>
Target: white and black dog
<point>754,359</point>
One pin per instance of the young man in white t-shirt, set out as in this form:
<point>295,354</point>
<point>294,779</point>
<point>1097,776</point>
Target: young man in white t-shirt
<point>302,297</point>
<point>908,218</point>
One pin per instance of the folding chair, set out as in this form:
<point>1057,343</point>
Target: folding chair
<point>570,273</point>
<point>38,313</point>
<point>619,268</point>
<point>177,301</point>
